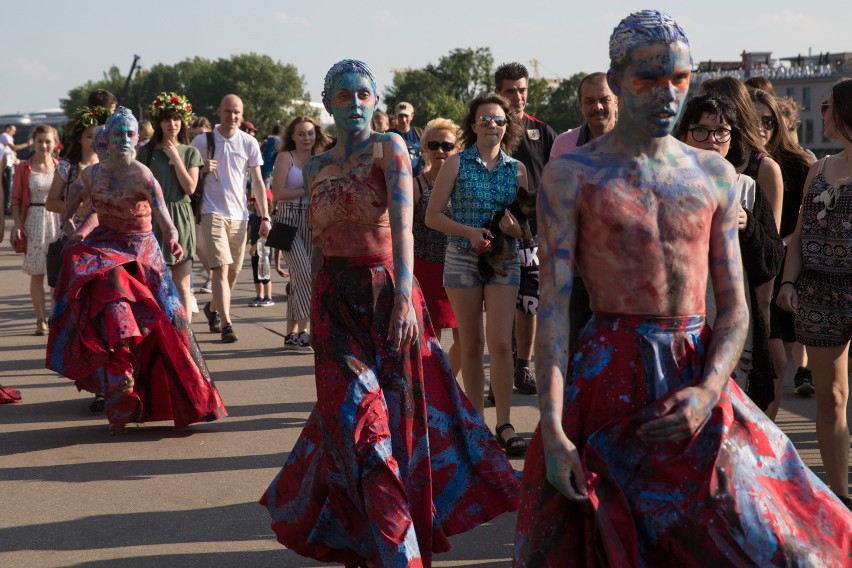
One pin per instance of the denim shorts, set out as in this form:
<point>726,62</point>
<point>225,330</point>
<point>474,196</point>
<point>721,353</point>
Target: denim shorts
<point>460,270</point>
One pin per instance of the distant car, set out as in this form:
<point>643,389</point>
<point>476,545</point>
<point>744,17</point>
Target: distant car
<point>27,121</point>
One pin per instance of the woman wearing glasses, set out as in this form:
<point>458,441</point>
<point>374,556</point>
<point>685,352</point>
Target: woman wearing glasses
<point>816,286</point>
<point>480,181</point>
<point>794,163</point>
<point>710,123</point>
<point>439,141</point>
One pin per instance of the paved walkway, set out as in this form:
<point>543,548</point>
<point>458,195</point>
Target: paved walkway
<point>72,496</point>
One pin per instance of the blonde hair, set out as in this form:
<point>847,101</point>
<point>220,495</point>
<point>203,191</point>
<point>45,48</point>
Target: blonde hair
<point>435,125</point>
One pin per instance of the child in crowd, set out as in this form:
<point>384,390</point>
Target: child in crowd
<point>262,286</point>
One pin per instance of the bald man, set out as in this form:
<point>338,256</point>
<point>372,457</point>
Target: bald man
<point>224,215</point>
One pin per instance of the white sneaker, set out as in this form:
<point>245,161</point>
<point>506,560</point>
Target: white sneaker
<point>193,304</point>
<point>207,287</point>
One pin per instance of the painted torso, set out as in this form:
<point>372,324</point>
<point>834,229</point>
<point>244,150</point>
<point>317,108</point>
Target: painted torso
<point>118,203</point>
<point>643,235</point>
<point>349,205</point>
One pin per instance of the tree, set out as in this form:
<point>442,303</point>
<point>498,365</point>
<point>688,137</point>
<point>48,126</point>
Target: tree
<point>562,110</point>
<point>445,88</point>
<point>272,92</point>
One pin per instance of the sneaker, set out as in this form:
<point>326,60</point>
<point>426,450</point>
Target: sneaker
<point>228,335</point>
<point>265,303</point>
<point>804,382</point>
<point>304,342</point>
<point>193,305</point>
<point>207,287</point>
<point>212,319</point>
<point>291,341</point>
<point>256,302</point>
<point>525,381</point>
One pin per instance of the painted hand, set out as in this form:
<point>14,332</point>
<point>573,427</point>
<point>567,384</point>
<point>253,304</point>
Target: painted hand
<point>564,468</point>
<point>678,416</point>
<point>175,249</point>
<point>403,323</point>
<point>788,298</point>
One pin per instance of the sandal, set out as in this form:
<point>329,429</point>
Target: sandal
<point>98,404</point>
<point>514,446</point>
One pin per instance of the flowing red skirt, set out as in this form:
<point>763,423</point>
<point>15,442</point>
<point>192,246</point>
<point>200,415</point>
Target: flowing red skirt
<point>8,395</point>
<point>430,276</point>
<point>393,459</point>
<point>735,494</point>
<point>118,314</point>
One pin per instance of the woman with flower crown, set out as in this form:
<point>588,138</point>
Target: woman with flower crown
<point>118,326</point>
<point>175,165</point>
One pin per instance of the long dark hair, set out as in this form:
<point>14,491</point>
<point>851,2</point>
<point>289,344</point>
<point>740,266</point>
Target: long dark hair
<point>720,107</point>
<point>183,135</point>
<point>841,107</point>
<point>321,141</point>
<point>780,146</point>
<point>513,134</point>
<point>738,94</point>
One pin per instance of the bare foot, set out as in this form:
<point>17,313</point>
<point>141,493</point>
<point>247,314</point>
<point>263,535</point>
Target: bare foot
<point>117,430</point>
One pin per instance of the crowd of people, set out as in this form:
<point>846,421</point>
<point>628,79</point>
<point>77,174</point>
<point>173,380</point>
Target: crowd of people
<point>661,274</point>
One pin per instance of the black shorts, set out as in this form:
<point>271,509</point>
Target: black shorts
<point>527,300</point>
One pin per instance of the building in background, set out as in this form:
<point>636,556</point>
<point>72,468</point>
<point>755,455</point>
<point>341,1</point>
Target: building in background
<point>806,78</point>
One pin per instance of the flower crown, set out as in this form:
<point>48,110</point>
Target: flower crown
<point>170,101</point>
<point>84,117</point>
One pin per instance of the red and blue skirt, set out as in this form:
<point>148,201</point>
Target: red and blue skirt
<point>393,459</point>
<point>734,494</point>
<point>118,315</point>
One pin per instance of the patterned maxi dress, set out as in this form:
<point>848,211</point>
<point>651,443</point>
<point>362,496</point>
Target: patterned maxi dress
<point>118,314</point>
<point>393,459</point>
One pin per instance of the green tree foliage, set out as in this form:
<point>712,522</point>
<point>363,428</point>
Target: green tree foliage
<point>561,110</point>
<point>444,89</point>
<point>272,92</point>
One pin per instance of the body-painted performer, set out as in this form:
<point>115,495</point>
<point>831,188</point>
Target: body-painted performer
<point>393,459</point>
<point>118,327</point>
<point>655,458</point>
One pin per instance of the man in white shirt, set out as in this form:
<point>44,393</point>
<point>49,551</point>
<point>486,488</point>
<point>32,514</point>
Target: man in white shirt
<point>224,215</point>
<point>8,160</point>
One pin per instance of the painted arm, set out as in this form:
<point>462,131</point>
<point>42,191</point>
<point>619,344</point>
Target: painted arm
<point>788,298</point>
<point>397,165</point>
<point>557,212</point>
<point>442,190</point>
<point>680,415</point>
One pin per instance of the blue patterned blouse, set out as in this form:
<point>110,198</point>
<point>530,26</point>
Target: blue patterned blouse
<point>478,192</point>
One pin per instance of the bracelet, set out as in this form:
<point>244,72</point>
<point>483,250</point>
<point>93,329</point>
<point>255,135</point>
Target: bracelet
<point>787,282</point>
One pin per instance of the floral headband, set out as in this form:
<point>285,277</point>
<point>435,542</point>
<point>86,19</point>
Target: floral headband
<point>83,118</point>
<point>170,101</point>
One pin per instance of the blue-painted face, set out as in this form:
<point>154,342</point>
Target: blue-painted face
<point>122,138</point>
<point>352,102</point>
<point>653,87</point>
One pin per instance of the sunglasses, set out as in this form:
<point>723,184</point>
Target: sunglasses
<point>445,146</point>
<point>700,134</point>
<point>768,122</point>
<point>497,120</point>
<point>824,106</point>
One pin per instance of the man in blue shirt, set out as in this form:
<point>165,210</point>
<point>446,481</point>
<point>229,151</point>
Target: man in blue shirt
<point>404,113</point>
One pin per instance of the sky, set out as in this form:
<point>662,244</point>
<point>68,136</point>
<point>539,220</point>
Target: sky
<point>61,45</point>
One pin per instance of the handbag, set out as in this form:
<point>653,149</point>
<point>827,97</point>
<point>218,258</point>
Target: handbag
<point>281,236</point>
<point>54,260</point>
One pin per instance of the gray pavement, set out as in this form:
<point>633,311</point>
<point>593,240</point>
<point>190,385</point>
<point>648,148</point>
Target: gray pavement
<point>72,496</point>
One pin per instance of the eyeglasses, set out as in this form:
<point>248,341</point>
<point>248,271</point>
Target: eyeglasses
<point>445,146</point>
<point>720,135</point>
<point>768,122</point>
<point>498,120</point>
<point>824,106</point>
